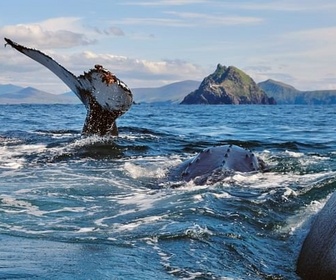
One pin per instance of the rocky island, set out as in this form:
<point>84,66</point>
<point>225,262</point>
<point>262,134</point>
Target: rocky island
<point>228,85</point>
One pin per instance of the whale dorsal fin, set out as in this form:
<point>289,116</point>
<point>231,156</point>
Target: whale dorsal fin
<point>66,76</point>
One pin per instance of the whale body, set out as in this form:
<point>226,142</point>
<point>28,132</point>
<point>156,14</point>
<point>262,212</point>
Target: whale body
<point>216,163</point>
<point>105,96</point>
<point>317,259</point>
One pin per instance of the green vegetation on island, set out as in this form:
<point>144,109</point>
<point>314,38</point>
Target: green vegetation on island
<point>228,85</point>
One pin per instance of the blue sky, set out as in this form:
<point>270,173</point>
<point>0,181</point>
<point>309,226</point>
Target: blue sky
<point>150,43</point>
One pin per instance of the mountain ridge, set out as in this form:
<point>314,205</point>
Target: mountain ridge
<point>287,94</point>
<point>169,94</point>
<point>30,95</point>
<point>173,93</point>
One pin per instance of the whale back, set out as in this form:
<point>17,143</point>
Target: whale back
<point>222,158</point>
<point>317,259</point>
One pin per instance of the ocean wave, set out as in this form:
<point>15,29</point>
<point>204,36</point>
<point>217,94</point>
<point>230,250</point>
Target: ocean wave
<point>112,195</point>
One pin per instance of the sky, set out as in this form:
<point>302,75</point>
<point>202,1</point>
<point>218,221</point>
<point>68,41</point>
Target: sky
<point>151,43</point>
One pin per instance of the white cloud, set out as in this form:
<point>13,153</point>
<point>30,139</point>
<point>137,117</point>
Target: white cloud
<point>137,72</point>
<point>216,19</point>
<point>154,21</point>
<point>186,19</point>
<point>281,5</point>
<point>52,33</point>
<point>259,5</point>
<point>56,33</point>
<point>303,58</point>
<point>112,30</point>
<point>318,35</point>
<point>313,48</point>
<point>134,72</point>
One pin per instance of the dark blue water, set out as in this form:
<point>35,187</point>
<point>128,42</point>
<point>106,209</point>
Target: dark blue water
<point>100,208</point>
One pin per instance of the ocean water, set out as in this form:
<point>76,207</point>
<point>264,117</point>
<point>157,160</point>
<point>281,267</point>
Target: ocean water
<point>74,207</point>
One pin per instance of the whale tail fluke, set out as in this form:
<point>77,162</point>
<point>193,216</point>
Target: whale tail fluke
<point>66,76</point>
<point>103,94</point>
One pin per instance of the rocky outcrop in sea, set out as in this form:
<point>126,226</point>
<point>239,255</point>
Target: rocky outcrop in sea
<point>228,85</point>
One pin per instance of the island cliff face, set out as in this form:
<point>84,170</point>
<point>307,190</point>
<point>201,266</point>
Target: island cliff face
<point>228,85</point>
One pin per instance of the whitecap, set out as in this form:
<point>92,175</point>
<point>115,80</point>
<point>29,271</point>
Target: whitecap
<point>294,154</point>
<point>13,156</point>
<point>86,229</point>
<point>12,205</point>
<point>129,226</point>
<point>150,167</point>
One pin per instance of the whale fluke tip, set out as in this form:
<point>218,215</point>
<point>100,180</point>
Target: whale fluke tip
<point>13,44</point>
